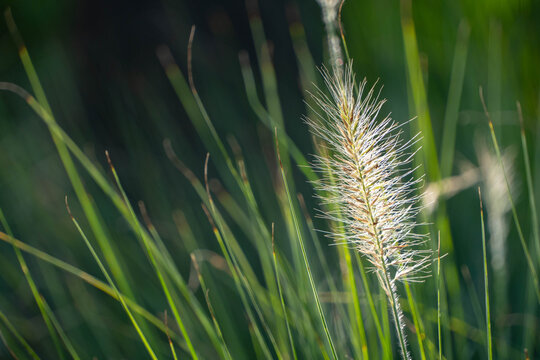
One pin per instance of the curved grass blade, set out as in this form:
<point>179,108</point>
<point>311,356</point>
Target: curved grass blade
<point>33,288</point>
<point>146,241</point>
<point>91,280</point>
<point>18,336</point>
<point>210,307</point>
<point>306,261</point>
<point>524,245</point>
<point>268,120</point>
<point>89,209</point>
<point>283,308</point>
<point>171,345</point>
<point>112,285</point>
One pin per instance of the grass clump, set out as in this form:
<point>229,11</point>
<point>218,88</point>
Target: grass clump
<point>247,275</point>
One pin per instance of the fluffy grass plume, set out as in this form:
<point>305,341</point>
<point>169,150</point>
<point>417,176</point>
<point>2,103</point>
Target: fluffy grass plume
<point>368,180</point>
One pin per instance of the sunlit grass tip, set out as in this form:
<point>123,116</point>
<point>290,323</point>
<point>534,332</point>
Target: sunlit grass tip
<point>366,171</point>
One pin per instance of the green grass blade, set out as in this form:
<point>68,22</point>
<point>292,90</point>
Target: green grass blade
<point>283,308</point>
<point>146,241</point>
<point>33,288</point>
<point>238,275</point>
<point>260,343</point>
<point>306,261</point>
<point>473,296</point>
<point>524,245</point>
<point>210,307</point>
<point>454,99</point>
<point>171,345</point>
<point>356,309</point>
<point>18,336</point>
<point>419,328</point>
<point>384,340</point>
<point>268,120</point>
<point>198,118</point>
<point>88,207</point>
<point>486,282</point>
<point>418,92</point>
<point>112,285</point>
<point>428,156</point>
<point>91,280</point>
<point>98,177</point>
<point>530,186</point>
<point>439,337</point>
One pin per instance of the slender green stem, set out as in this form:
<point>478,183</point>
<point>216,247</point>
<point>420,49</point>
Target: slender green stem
<point>530,187</point>
<point>33,288</point>
<point>439,295</point>
<point>385,343</point>
<point>304,254</point>
<point>113,286</point>
<point>511,200</point>
<point>86,278</point>
<point>454,98</point>
<point>420,335</point>
<point>281,297</point>
<point>18,336</point>
<point>146,241</point>
<point>205,290</point>
<point>486,281</point>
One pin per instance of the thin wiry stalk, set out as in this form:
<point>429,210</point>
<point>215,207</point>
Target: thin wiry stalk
<point>291,342</point>
<point>439,294</point>
<point>304,255</point>
<point>147,345</point>
<point>486,281</point>
<point>373,187</point>
<point>524,245</point>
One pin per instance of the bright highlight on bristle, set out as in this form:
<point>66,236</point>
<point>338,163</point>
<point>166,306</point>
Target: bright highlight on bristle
<point>367,173</point>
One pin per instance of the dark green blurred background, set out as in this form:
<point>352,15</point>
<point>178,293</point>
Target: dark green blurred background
<point>97,62</point>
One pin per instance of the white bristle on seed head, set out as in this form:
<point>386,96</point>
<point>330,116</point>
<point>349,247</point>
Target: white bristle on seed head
<point>367,173</point>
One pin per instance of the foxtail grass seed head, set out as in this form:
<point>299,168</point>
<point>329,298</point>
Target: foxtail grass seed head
<point>368,180</point>
<point>368,185</point>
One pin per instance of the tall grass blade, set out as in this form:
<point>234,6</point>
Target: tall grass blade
<point>18,336</point>
<point>111,284</point>
<point>46,112</point>
<point>384,340</point>
<point>89,279</point>
<point>486,282</point>
<point>171,345</point>
<point>428,156</point>
<point>210,307</point>
<point>530,186</point>
<point>439,337</point>
<point>283,308</point>
<point>524,245</point>
<point>419,327</point>
<point>45,314</point>
<point>146,241</point>
<point>454,99</point>
<point>304,254</point>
